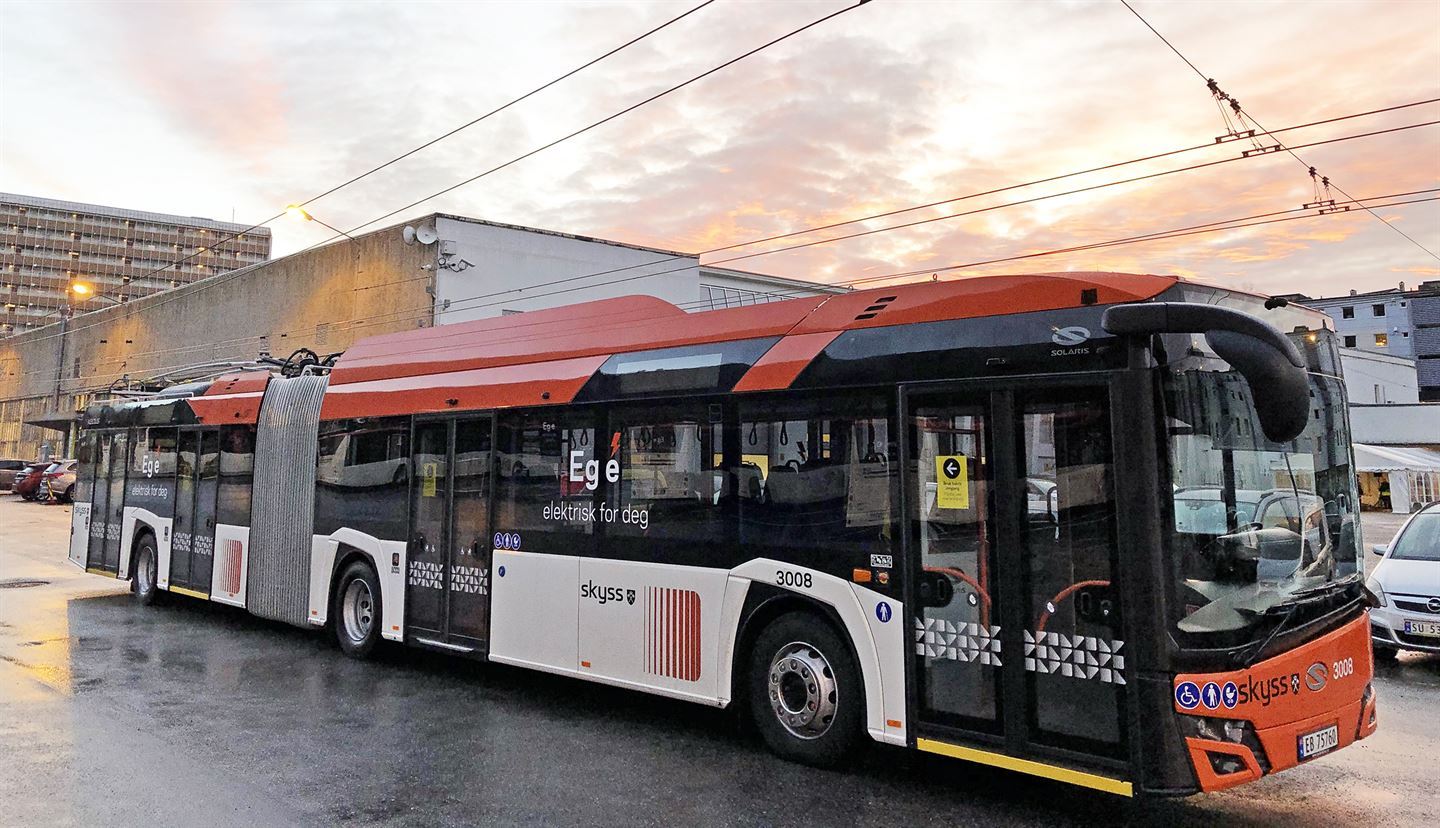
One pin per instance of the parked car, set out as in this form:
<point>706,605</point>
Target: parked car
<point>8,470</point>
<point>1406,584</point>
<point>27,480</point>
<point>58,482</point>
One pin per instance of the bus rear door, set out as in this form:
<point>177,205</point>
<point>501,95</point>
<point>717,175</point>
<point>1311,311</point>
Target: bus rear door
<point>447,595</point>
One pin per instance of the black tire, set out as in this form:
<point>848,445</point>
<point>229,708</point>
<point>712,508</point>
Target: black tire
<point>1386,655</point>
<point>27,495</point>
<point>358,594</point>
<point>144,571</point>
<point>69,494</point>
<point>811,648</point>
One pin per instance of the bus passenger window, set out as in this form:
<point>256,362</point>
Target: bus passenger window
<point>817,475</point>
<point>237,469</point>
<point>548,478</point>
<point>666,480</point>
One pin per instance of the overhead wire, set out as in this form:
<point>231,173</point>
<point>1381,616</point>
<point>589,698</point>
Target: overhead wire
<point>456,303</point>
<point>1257,220</point>
<point>951,200</point>
<point>223,278</point>
<point>512,102</point>
<point>1244,114</point>
<point>394,315</point>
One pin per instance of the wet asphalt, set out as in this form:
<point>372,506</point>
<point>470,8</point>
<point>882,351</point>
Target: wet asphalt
<point>197,714</point>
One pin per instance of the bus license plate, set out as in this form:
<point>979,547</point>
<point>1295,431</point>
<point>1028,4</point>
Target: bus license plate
<point>1318,742</point>
<point>1422,628</point>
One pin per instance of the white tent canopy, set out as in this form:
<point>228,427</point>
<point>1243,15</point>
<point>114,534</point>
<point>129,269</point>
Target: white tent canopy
<point>1413,474</point>
<point>1395,458</point>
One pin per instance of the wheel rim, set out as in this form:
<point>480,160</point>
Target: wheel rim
<point>145,573</point>
<point>359,610</point>
<point>802,690</point>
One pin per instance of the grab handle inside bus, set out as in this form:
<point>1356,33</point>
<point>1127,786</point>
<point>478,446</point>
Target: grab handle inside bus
<point>1269,362</point>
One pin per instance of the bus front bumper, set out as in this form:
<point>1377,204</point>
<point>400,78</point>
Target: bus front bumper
<point>1281,712</point>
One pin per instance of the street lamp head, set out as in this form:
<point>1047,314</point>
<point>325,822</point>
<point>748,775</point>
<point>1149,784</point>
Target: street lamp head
<point>297,211</point>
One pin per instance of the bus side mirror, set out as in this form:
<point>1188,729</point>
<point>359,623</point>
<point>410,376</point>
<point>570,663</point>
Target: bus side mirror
<point>1269,362</point>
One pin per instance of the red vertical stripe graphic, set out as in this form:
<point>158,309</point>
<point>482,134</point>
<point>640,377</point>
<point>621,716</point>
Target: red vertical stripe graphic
<point>672,633</point>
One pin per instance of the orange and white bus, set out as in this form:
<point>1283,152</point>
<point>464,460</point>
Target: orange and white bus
<point>1096,527</point>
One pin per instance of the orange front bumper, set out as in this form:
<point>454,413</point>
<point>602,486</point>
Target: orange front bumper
<point>1322,683</point>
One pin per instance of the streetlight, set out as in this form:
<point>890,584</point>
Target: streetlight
<point>296,211</point>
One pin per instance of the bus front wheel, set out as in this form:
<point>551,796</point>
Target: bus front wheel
<point>806,696</point>
<point>356,611</point>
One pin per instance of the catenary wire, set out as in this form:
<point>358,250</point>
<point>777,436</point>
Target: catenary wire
<point>223,278</point>
<point>397,314</point>
<point>951,200</point>
<point>1245,114</point>
<point>1181,232</point>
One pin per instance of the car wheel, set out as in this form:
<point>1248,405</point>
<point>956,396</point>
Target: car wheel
<point>806,696</point>
<point>1386,655</point>
<point>69,495</point>
<point>143,576</point>
<point>356,612</point>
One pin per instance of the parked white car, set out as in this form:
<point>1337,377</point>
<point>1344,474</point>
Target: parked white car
<point>1407,584</point>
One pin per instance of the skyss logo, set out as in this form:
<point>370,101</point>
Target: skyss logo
<point>606,594</point>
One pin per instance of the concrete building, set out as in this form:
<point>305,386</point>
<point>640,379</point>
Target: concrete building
<point>1397,321</point>
<point>438,270</point>
<point>48,246</point>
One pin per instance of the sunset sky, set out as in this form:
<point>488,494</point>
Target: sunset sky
<point>221,108</point>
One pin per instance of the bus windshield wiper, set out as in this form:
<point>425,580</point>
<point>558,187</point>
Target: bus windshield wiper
<point>1249,658</point>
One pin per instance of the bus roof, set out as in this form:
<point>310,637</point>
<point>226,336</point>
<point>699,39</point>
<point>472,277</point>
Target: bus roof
<point>642,323</point>
<point>549,357</point>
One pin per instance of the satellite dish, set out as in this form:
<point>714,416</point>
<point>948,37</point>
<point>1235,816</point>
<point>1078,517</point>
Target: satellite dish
<point>408,234</point>
<point>425,234</point>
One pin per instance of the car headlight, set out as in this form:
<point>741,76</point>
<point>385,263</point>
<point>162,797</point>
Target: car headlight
<point>1377,592</point>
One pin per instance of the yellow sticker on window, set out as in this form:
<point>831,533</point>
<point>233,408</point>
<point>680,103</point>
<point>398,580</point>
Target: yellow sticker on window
<point>431,473</point>
<point>952,481</point>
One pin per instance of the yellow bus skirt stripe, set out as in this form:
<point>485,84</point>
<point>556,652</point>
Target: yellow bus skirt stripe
<point>192,593</point>
<point>95,571</point>
<point>1000,760</point>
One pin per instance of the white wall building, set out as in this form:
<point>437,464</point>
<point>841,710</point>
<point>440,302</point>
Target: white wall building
<point>1378,379</point>
<point>485,269</point>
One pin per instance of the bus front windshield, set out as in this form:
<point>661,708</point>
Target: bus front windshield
<point>1254,522</point>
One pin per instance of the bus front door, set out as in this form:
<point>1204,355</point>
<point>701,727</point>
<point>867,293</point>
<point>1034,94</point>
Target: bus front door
<point>1016,616</point>
<point>447,598</point>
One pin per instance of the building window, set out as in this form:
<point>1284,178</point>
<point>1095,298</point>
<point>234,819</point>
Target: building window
<point>1378,310</point>
<point>1347,313</point>
<point>1349,342</point>
<point>1382,340</point>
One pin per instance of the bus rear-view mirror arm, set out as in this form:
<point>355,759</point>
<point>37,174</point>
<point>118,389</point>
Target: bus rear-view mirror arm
<point>1269,362</point>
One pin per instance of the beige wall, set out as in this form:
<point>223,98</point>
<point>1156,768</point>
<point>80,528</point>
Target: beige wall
<point>324,300</point>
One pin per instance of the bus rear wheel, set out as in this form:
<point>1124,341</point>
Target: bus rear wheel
<point>144,581</point>
<point>806,697</point>
<point>356,611</point>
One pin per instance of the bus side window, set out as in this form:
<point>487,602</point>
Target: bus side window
<point>541,491</point>
<point>821,474</point>
<point>667,483</point>
<point>237,469</point>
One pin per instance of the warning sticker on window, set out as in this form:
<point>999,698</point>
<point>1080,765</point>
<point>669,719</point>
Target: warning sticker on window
<point>952,481</point>
<point>429,479</point>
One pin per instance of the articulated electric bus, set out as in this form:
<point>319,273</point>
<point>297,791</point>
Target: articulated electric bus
<point>1095,527</point>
